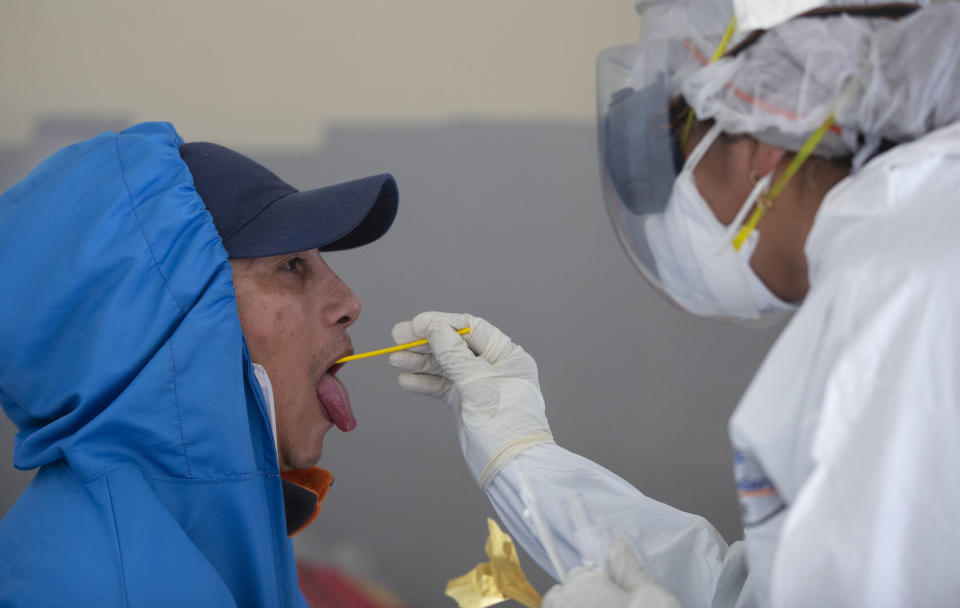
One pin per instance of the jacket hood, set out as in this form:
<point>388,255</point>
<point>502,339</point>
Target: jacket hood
<point>123,364</point>
<point>119,336</point>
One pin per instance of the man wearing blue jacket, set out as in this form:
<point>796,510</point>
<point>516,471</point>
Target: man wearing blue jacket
<point>168,333</point>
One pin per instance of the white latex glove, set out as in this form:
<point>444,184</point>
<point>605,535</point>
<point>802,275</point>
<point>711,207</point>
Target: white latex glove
<point>489,382</point>
<point>629,585</point>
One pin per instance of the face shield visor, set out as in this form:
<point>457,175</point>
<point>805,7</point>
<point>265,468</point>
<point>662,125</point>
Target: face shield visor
<point>790,88</point>
<point>666,227</point>
<point>639,156</point>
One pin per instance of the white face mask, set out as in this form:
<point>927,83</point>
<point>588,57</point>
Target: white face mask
<point>696,262</point>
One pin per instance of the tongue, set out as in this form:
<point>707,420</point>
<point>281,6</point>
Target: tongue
<point>333,395</point>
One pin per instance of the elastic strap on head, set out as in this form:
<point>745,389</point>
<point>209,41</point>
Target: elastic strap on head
<point>761,186</point>
<point>698,152</point>
<point>765,202</point>
<point>717,54</point>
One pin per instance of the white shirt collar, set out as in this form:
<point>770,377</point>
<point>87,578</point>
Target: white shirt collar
<point>267,390</point>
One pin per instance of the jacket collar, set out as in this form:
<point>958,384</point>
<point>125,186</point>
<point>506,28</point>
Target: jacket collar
<point>303,493</point>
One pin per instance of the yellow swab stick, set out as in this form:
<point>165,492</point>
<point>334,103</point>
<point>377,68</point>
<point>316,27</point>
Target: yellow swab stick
<point>393,349</point>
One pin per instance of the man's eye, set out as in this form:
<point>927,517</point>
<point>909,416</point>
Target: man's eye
<point>293,264</point>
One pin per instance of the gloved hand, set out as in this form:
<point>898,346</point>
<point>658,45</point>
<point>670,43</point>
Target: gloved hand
<point>489,382</point>
<point>629,587</point>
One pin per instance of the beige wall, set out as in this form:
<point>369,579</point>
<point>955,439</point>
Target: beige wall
<point>244,72</point>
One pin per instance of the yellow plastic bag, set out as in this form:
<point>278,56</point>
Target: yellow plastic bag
<point>496,581</point>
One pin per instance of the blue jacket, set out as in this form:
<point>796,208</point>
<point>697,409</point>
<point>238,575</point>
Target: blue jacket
<point>123,365</point>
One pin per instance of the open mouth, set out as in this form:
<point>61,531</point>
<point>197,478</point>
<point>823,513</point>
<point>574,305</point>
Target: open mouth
<point>334,398</point>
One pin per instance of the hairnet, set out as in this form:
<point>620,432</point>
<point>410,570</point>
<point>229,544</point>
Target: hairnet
<point>764,14</point>
<point>678,36</point>
<point>880,78</point>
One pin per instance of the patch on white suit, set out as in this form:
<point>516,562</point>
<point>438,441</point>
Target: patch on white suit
<point>759,499</point>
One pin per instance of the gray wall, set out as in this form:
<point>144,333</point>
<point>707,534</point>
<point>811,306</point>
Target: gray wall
<point>504,220</point>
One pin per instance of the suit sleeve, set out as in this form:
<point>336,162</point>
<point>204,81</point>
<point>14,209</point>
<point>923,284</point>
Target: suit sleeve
<point>683,551</point>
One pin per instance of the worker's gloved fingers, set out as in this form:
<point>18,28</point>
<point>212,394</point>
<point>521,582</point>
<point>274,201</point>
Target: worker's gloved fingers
<point>565,595</point>
<point>417,363</point>
<point>424,320</point>
<point>584,587</point>
<point>484,339</point>
<point>402,333</point>
<point>456,360</point>
<point>624,567</point>
<point>425,384</point>
<point>627,572</point>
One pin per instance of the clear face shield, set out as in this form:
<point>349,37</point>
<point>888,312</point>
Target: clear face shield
<point>640,157</point>
<point>782,88</point>
<point>666,227</point>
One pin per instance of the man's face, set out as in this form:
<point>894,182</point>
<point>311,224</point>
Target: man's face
<point>295,312</point>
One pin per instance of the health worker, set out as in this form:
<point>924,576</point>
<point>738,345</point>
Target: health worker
<point>761,159</point>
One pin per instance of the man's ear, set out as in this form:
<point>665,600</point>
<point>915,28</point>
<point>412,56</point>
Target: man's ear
<point>766,158</point>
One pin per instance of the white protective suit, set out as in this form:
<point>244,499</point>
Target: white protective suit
<point>845,440</point>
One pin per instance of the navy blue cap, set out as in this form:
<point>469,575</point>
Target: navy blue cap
<point>258,214</point>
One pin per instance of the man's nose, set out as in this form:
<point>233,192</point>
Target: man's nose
<point>344,307</point>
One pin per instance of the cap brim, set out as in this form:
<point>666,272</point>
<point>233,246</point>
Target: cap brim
<point>343,216</point>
